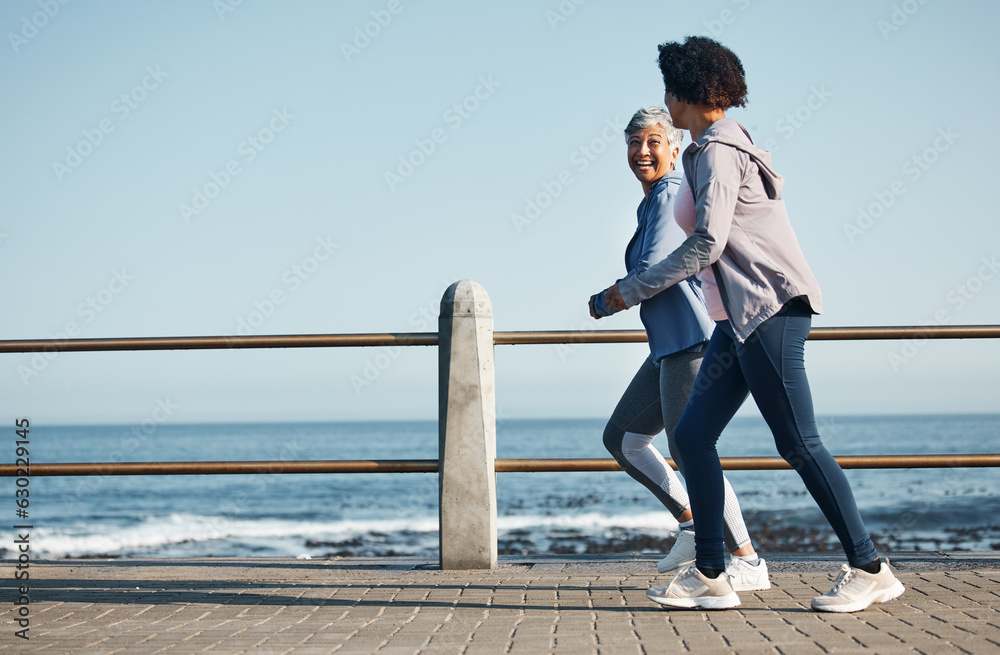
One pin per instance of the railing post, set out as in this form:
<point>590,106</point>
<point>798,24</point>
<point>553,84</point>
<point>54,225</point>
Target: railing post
<point>467,444</point>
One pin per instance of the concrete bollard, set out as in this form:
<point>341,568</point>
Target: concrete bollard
<point>467,439</point>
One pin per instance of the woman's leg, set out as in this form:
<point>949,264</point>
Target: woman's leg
<point>718,392</point>
<point>629,434</point>
<point>677,376</point>
<point>773,364</point>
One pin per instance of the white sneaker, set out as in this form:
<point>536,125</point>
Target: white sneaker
<point>680,554</point>
<point>855,590</point>
<point>692,589</point>
<point>748,577</point>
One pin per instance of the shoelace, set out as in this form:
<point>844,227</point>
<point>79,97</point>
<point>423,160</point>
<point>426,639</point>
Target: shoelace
<point>683,576</point>
<point>685,572</point>
<point>846,575</point>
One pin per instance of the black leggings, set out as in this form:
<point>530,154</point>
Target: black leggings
<point>653,402</point>
<point>770,365</point>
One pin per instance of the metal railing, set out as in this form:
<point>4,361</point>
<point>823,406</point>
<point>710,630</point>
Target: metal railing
<point>548,465</point>
<point>431,339</point>
<point>466,466</point>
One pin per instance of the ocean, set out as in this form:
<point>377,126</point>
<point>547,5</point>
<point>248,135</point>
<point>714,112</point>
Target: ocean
<point>317,515</point>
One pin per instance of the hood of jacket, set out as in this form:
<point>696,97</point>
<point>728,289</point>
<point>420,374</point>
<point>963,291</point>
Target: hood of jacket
<point>731,133</point>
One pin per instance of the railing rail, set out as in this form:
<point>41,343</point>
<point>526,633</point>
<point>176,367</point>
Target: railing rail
<point>466,464</point>
<point>816,334</point>
<point>221,343</point>
<point>502,465</point>
<point>431,339</point>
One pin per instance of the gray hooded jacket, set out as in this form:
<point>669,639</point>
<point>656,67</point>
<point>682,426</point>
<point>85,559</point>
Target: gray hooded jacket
<point>742,231</point>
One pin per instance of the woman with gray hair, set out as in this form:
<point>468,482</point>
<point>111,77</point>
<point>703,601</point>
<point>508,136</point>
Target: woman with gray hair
<point>678,328</point>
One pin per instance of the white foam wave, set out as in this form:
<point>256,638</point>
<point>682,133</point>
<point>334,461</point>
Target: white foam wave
<point>164,535</point>
<point>651,522</point>
<point>155,533</point>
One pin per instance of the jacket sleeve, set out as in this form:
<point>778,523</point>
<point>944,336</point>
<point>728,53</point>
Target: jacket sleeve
<point>600,307</point>
<point>661,236</point>
<point>714,173</point>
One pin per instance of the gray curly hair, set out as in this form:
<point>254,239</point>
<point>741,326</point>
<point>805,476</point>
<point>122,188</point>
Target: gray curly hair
<point>650,116</point>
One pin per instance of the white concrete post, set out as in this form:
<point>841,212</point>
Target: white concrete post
<point>467,443</point>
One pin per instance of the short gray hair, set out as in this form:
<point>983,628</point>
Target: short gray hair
<point>650,116</point>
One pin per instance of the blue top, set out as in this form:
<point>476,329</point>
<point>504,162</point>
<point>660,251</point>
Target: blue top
<point>675,318</point>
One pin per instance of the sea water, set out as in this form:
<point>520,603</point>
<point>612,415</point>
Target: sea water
<point>396,514</point>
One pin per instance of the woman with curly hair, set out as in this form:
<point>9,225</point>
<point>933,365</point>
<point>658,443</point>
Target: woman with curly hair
<point>760,291</point>
<point>678,328</point>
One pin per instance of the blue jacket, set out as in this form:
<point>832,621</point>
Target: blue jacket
<point>675,318</point>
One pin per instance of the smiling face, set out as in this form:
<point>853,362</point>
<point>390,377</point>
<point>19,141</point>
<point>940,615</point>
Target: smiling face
<point>650,155</point>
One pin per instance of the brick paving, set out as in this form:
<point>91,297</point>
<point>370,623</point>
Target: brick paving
<point>585,604</point>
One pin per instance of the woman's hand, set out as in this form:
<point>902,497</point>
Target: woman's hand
<point>613,299</point>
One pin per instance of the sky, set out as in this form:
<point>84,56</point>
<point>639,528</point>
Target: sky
<point>200,167</point>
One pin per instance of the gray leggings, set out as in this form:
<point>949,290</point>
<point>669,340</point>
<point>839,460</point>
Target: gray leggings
<point>654,401</point>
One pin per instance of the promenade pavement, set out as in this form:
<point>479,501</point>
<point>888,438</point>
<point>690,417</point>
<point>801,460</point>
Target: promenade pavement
<point>565,604</point>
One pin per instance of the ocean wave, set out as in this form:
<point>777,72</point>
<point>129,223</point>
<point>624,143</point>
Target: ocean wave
<point>154,534</point>
<point>195,535</point>
<point>652,522</point>
<point>161,535</point>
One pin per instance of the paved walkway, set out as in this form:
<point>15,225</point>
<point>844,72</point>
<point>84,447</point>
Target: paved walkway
<point>586,604</point>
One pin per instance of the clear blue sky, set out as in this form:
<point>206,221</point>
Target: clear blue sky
<point>168,166</point>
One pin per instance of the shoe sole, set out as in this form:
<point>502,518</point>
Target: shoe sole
<point>662,570</point>
<point>892,593</point>
<point>750,587</point>
<point>704,602</point>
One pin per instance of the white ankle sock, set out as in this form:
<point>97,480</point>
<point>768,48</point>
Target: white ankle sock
<point>686,525</point>
<point>749,559</point>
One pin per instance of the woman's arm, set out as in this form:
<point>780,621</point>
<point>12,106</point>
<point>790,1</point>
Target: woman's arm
<point>660,235</point>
